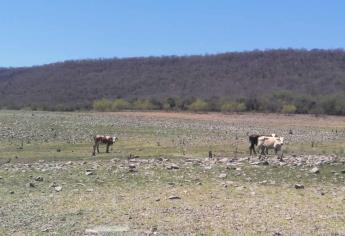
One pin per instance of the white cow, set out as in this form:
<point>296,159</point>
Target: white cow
<point>267,142</point>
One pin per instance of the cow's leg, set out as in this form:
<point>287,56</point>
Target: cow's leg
<point>251,148</point>
<point>281,156</point>
<point>260,151</point>
<point>94,150</point>
<point>107,151</point>
<point>97,147</point>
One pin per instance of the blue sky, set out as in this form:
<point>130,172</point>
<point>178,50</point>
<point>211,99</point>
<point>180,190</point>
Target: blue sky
<point>41,31</point>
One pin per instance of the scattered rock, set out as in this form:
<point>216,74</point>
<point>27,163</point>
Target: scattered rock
<point>58,188</point>
<point>45,230</point>
<point>154,229</point>
<point>53,185</point>
<point>131,166</point>
<point>222,176</point>
<point>89,172</point>
<point>255,163</point>
<point>240,187</point>
<point>315,170</point>
<point>11,192</point>
<point>343,171</point>
<point>173,166</point>
<point>224,160</point>
<point>173,197</point>
<point>299,186</point>
<point>39,178</point>
<point>231,167</point>
<point>30,185</point>
<point>265,163</point>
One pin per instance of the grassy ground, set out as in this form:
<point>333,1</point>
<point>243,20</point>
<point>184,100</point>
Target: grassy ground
<point>251,199</point>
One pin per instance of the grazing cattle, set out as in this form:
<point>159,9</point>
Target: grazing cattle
<point>253,140</point>
<point>270,142</point>
<point>103,139</point>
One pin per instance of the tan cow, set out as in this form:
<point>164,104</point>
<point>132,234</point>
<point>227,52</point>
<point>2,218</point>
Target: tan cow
<point>253,140</point>
<point>267,142</point>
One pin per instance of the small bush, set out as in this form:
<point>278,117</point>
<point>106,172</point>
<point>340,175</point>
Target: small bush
<point>102,105</point>
<point>233,107</point>
<point>144,105</point>
<point>120,104</point>
<point>169,104</point>
<point>289,109</point>
<point>199,105</point>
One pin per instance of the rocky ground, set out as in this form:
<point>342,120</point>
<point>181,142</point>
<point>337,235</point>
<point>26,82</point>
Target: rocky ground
<point>159,180</point>
<point>189,196</point>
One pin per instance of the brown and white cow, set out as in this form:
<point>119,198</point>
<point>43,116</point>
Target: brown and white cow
<point>103,139</point>
<point>270,142</point>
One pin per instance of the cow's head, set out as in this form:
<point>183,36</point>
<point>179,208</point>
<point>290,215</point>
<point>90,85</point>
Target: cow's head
<point>282,140</point>
<point>115,139</point>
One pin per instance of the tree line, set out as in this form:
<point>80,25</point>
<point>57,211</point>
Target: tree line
<point>285,102</point>
<point>221,80</point>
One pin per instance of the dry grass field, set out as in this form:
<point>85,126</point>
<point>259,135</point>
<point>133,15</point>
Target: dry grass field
<point>158,179</point>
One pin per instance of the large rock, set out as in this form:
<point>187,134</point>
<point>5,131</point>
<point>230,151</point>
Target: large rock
<point>315,170</point>
<point>223,160</point>
<point>30,185</point>
<point>299,186</point>
<point>173,166</point>
<point>39,178</point>
<point>131,166</point>
<point>222,175</point>
<point>173,197</point>
<point>108,230</point>
<point>58,188</point>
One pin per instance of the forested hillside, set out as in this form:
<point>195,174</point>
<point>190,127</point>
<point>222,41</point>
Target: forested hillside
<point>241,76</point>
